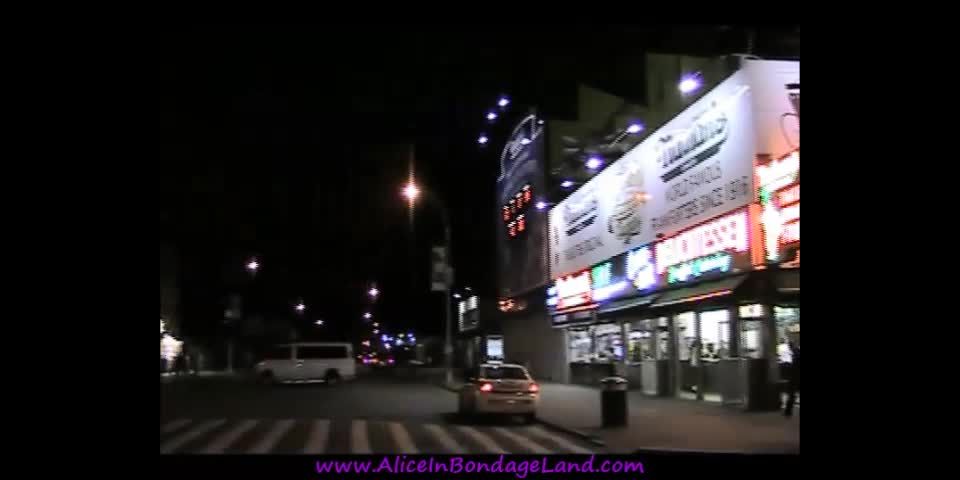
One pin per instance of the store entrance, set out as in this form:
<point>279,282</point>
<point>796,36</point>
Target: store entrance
<point>788,332</point>
<point>703,341</point>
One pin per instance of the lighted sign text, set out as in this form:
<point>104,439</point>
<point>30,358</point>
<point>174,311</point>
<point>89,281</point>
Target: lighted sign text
<point>641,269</point>
<point>574,290</point>
<point>779,173</point>
<point>514,212</point>
<point>729,233</point>
<point>751,311</point>
<point>719,262</point>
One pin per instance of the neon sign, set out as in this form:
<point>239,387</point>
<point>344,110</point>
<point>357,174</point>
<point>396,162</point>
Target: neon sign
<point>729,233</point>
<point>574,290</point>
<point>641,268</point>
<point>719,262</point>
<point>514,212</point>
<point>781,203</point>
<point>779,173</point>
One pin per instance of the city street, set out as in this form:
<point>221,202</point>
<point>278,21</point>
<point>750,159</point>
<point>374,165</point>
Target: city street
<point>368,415</point>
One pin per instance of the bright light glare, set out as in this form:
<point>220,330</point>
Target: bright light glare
<point>300,307</point>
<point>374,292</point>
<point>567,184</point>
<point>375,324</point>
<point>368,315</point>
<point>541,205</point>
<point>634,128</point>
<point>525,141</point>
<point>411,192</point>
<point>504,101</point>
<point>689,84</point>
<point>456,295</point>
<point>319,322</point>
<point>253,266</point>
<point>491,116</point>
<point>483,139</point>
<point>594,163</point>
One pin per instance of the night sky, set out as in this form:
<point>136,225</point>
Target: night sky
<point>292,144</point>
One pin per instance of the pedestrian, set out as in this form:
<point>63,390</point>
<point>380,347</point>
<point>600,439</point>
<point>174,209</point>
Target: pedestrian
<point>793,382</point>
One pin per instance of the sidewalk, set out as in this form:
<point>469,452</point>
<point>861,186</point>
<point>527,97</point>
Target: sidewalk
<point>668,423</point>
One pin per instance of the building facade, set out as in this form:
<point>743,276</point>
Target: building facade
<point>677,266</point>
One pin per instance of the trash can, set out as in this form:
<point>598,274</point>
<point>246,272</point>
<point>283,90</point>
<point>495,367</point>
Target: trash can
<point>614,401</point>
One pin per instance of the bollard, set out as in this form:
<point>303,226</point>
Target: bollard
<point>613,402</point>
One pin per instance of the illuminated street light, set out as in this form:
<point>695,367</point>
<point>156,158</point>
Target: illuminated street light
<point>253,266</point>
<point>492,116</point>
<point>635,128</point>
<point>456,295</point>
<point>567,183</point>
<point>319,323</point>
<point>411,191</point>
<point>594,163</point>
<point>376,325</point>
<point>374,292</point>
<point>300,307</point>
<point>525,141</point>
<point>689,83</point>
<point>483,140</point>
<point>542,205</point>
<point>503,102</point>
<point>368,315</point>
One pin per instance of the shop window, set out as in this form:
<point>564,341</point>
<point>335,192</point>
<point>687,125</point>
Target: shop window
<point>580,344</point>
<point>715,333</point>
<point>750,339</point>
<point>663,339</point>
<point>609,343</point>
<point>687,333</point>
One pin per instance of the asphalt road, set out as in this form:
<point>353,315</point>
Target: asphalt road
<point>368,415</point>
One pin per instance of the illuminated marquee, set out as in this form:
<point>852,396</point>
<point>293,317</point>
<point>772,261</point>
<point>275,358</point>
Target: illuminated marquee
<point>726,234</point>
<point>780,200</point>
<point>720,262</point>
<point>514,212</point>
<point>641,269</point>
<point>603,285</point>
<point>574,290</point>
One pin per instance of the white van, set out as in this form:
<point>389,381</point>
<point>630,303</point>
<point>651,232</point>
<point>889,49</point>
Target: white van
<point>304,362</point>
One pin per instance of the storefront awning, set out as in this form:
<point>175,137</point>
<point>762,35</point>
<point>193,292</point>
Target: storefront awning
<point>700,292</point>
<point>628,303</point>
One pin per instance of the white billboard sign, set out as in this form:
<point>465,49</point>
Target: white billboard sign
<point>696,167</point>
<point>776,103</point>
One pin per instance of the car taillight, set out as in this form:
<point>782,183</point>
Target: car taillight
<point>486,387</point>
<point>534,388</point>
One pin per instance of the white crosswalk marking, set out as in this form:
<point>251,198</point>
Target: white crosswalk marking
<point>444,439</point>
<point>563,442</point>
<point>402,438</point>
<point>359,443</point>
<point>524,441</point>
<point>180,440</point>
<point>482,439</point>
<point>174,426</point>
<point>276,432</point>
<point>319,435</point>
<point>223,442</point>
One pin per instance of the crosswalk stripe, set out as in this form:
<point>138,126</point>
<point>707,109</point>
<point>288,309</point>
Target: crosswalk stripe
<point>319,434</point>
<point>174,425</point>
<point>402,438</point>
<point>444,438</point>
<point>482,439</point>
<point>563,442</point>
<point>359,443</point>
<point>276,432</point>
<point>182,439</point>
<point>524,441</point>
<point>223,442</point>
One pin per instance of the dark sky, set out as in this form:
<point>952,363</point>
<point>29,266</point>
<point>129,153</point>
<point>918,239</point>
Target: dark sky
<point>291,144</point>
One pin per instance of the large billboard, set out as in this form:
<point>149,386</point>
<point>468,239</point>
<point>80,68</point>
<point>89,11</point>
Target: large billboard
<point>776,104</point>
<point>696,167</point>
<point>521,227</point>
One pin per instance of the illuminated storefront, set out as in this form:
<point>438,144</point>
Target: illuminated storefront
<point>693,291</point>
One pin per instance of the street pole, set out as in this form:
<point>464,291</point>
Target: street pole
<point>447,305</point>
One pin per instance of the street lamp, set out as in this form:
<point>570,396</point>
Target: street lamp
<point>411,191</point>
<point>300,307</point>
<point>374,292</point>
<point>253,266</point>
<point>367,316</point>
<point>319,323</point>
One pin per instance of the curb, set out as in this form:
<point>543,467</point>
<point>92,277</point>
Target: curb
<point>569,431</point>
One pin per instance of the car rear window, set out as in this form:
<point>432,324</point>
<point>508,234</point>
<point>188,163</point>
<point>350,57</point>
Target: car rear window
<point>504,373</point>
<point>324,352</point>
